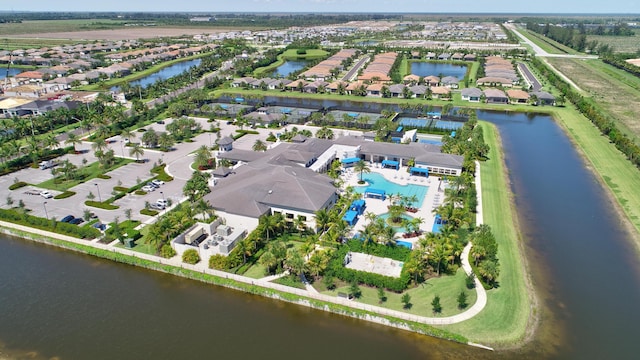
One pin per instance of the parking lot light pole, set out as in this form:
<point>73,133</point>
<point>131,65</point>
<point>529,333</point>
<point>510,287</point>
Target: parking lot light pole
<point>45,210</point>
<point>122,147</point>
<point>210,143</point>
<point>99,197</point>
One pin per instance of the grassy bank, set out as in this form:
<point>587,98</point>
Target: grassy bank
<point>504,320</point>
<point>620,177</point>
<point>241,286</point>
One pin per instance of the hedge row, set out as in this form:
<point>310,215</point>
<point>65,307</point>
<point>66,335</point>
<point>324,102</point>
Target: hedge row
<point>20,218</point>
<point>337,269</point>
<point>148,212</point>
<point>25,161</point>
<point>17,185</point>
<point>64,195</point>
<point>100,205</point>
<point>399,253</point>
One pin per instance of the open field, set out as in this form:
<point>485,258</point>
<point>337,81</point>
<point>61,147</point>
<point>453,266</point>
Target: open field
<point>32,43</point>
<point>46,30</point>
<point>621,44</point>
<point>615,91</point>
<point>505,319</point>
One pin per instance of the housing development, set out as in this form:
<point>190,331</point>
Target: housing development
<point>355,165</point>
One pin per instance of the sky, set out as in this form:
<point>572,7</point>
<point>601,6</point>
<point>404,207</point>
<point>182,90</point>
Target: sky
<point>385,6</point>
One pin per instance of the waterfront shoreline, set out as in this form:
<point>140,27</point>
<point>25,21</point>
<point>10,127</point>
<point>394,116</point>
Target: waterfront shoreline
<point>254,288</point>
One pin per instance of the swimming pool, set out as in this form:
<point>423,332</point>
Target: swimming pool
<point>398,229</point>
<point>378,181</point>
<point>404,243</point>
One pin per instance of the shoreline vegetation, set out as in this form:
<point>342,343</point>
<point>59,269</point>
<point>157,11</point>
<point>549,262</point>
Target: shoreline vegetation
<point>509,320</point>
<point>229,282</point>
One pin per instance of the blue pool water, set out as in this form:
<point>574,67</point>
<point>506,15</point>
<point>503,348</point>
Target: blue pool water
<point>378,181</point>
<point>432,142</point>
<point>404,243</point>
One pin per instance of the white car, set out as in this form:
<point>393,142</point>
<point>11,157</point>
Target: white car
<point>46,194</point>
<point>148,188</point>
<point>157,182</point>
<point>162,202</point>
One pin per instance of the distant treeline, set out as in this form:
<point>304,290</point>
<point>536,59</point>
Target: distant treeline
<point>222,19</point>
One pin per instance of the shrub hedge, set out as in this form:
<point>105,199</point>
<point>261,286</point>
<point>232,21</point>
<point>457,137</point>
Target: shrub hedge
<point>64,195</point>
<point>103,176</point>
<point>161,174</point>
<point>17,185</point>
<point>100,205</point>
<point>148,212</point>
<point>20,218</point>
<point>337,269</point>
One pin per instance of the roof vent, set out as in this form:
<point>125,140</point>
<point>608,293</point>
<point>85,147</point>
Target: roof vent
<point>270,191</point>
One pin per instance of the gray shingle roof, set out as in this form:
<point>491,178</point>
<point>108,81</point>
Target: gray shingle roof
<point>257,187</point>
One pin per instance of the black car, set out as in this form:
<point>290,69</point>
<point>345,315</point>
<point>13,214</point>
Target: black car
<point>161,122</point>
<point>67,218</point>
<point>76,221</point>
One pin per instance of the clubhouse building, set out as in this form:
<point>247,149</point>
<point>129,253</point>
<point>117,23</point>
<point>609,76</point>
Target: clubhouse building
<point>290,178</point>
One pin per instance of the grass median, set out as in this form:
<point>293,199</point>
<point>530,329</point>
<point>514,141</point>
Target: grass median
<point>504,320</point>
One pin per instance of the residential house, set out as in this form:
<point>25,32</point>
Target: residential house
<point>517,96</point>
<point>495,96</point>
<point>396,90</point>
<point>471,94</point>
<point>450,81</point>
<point>544,98</point>
<point>440,92</point>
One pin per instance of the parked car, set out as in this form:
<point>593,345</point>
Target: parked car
<point>46,194</point>
<point>100,226</point>
<point>155,186</point>
<point>148,188</point>
<point>76,221</point>
<point>161,122</point>
<point>157,182</point>
<point>163,202</point>
<point>67,218</point>
<point>156,206</point>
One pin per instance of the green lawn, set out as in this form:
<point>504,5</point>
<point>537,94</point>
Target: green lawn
<point>504,319</point>
<point>448,287</point>
<point>548,45</point>
<point>256,271</point>
<point>622,44</point>
<point>90,171</point>
<point>33,43</point>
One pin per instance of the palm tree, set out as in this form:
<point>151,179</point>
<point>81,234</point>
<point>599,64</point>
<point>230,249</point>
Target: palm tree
<point>73,139</point>
<point>322,219</point>
<point>202,156</point>
<point>100,145</point>
<point>259,145</point>
<point>268,224</point>
<point>268,260</point>
<point>128,134</point>
<point>137,151</point>
<point>361,167</point>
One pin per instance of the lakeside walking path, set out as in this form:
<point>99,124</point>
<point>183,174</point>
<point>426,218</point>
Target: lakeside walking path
<point>202,267</point>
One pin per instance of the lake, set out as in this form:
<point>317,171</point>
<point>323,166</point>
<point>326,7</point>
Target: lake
<point>59,303</point>
<point>288,67</point>
<point>12,71</point>
<point>438,69</point>
<point>163,74</point>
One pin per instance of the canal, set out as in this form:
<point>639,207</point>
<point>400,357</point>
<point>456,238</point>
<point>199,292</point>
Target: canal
<point>57,303</point>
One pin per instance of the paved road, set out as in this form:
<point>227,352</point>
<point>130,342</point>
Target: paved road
<point>530,78</point>
<point>354,70</point>
<point>541,52</point>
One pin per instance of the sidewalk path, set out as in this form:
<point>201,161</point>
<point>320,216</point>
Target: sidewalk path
<point>309,292</point>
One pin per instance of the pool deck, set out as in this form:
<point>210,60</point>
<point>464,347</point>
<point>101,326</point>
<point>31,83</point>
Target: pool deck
<point>434,197</point>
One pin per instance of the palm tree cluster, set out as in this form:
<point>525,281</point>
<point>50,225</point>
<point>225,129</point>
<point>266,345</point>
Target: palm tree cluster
<point>288,135</point>
<point>468,141</point>
<point>183,128</point>
<point>169,226</point>
<point>485,254</point>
